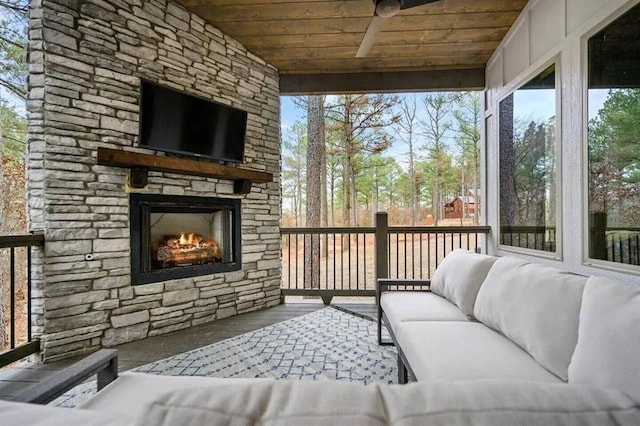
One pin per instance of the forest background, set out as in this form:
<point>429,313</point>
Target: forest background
<point>409,155</point>
<point>13,138</point>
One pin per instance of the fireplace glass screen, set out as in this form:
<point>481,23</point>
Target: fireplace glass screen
<point>177,237</point>
<point>185,239</point>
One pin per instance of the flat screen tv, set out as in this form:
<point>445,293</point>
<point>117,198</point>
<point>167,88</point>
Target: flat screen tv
<point>173,121</point>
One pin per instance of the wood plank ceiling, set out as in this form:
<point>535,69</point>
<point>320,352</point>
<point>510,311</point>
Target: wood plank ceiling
<point>321,37</point>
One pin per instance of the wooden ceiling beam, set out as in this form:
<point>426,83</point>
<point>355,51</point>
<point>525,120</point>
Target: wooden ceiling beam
<point>333,65</point>
<point>384,38</point>
<point>379,82</point>
<point>331,9</point>
<point>359,25</point>
<point>293,3</point>
<point>408,50</point>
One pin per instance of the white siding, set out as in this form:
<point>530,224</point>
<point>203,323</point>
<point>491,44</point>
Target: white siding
<point>547,27</point>
<point>516,49</point>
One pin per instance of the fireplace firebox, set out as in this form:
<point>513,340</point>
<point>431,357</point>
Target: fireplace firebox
<point>178,236</point>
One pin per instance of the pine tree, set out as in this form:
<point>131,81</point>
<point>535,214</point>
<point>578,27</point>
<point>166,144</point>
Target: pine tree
<point>315,154</point>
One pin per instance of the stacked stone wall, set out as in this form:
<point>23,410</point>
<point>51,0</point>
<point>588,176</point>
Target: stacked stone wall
<point>87,58</point>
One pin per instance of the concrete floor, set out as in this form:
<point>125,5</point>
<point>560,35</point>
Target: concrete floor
<point>130,355</point>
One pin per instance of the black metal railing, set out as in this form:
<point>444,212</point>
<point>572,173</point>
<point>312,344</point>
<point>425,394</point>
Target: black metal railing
<point>530,237</point>
<point>15,269</point>
<point>615,244</point>
<point>415,252</point>
<point>329,262</point>
<point>623,245</point>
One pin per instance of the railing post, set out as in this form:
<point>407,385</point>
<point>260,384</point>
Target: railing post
<point>598,236</point>
<point>382,260</point>
<point>382,245</point>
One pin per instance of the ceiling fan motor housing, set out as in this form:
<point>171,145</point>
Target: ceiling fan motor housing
<point>387,8</point>
<point>384,9</point>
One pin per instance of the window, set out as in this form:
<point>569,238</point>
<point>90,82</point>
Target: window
<point>614,141</point>
<point>528,190</point>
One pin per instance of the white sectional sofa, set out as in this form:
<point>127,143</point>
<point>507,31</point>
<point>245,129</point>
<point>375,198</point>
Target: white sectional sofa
<point>489,318</point>
<point>496,341</point>
<point>148,400</point>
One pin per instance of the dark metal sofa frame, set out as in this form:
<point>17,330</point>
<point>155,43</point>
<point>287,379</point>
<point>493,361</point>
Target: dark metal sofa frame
<point>405,373</point>
<point>103,363</point>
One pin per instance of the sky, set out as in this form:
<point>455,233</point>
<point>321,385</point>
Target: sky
<point>18,104</point>
<point>596,101</point>
<point>534,108</point>
<point>289,114</point>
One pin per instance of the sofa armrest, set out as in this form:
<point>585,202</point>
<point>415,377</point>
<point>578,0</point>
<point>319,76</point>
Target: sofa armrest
<point>104,363</point>
<point>384,284</point>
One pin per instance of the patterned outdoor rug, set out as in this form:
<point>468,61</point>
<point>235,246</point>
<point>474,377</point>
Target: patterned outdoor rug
<point>326,344</point>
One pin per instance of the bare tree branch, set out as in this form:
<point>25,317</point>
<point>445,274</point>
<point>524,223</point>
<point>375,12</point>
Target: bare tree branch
<point>16,6</point>
<point>16,90</point>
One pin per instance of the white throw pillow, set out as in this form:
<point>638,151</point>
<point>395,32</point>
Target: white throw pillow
<point>608,351</point>
<point>459,277</point>
<point>536,307</point>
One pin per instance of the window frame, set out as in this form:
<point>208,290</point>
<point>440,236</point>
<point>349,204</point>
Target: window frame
<point>584,127</point>
<point>558,253</point>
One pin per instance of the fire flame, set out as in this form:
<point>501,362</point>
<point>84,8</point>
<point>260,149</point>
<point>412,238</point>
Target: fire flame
<point>189,239</point>
<point>188,247</point>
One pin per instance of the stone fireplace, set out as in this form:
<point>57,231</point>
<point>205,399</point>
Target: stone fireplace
<point>215,255</point>
<point>178,237</point>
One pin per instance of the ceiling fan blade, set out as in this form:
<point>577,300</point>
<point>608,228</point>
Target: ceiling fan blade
<point>408,4</point>
<point>375,26</point>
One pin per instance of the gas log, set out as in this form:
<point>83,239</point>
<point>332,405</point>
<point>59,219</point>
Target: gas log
<point>187,248</point>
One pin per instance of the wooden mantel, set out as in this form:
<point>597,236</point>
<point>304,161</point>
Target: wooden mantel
<point>140,164</point>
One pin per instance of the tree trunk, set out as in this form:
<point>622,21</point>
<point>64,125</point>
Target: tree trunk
<point>4,338</point>
<point>436,194</point>
<point>476,195</point>
<point>315,143</point>
<point>346,178</point>
<point>376,195</point>
<point>476,170</point>
<point>412,181</point>
<point>324,215</point>
<point>507,163</point>
<point>354,201</point>
<point>332,191</point>
<point>299,197</point>
<point>464,203</point>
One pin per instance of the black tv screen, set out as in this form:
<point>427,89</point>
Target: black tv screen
<point>173,121</point>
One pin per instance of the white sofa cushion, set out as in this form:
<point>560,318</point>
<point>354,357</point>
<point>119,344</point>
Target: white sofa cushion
<point>291,403</point>
<point>22,414</point>
<point>498,403</point>
<point>401,306</point>
<point>455,351</point>
<point>535,306</point>
<point>128,395</point>
<point>608,351</point>
<point>459,277</point>
<point>286,402</point>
